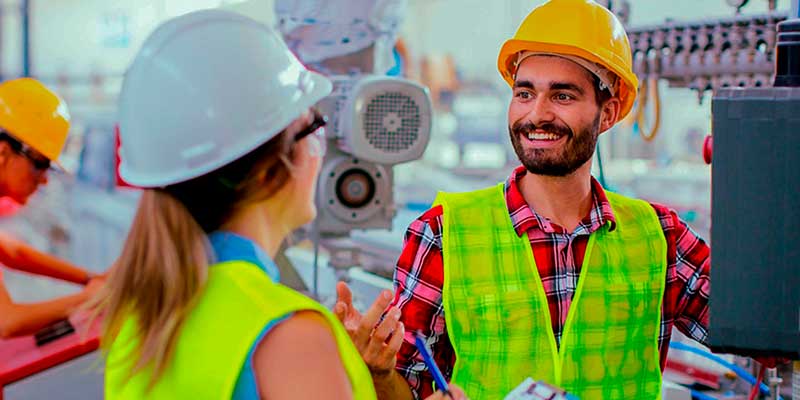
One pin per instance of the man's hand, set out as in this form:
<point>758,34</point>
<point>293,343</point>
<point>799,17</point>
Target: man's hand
<point>455,394</point>
<point>379,344</point>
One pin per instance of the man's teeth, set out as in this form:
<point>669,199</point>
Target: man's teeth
<point>543,136</point>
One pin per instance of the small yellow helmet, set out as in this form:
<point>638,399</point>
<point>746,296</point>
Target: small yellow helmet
<point>34,115</point>
<point>575,28</point>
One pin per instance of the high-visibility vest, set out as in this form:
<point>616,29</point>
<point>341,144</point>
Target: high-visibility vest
<point>238,301</point>
<point>498,318</point>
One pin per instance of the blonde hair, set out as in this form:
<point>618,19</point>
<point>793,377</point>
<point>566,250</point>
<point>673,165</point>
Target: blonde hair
<point>164,262</point>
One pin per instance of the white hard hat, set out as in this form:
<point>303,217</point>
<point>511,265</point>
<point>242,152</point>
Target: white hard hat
<point>205,89</point>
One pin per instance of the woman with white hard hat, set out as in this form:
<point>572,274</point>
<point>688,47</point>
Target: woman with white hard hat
<point>216,125</point>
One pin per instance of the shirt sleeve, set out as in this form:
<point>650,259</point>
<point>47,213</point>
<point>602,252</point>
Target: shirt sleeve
<point>688,281</point>
<point>418,283</point>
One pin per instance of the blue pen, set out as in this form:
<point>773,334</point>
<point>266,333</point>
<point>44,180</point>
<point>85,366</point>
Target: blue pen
<point>441,384</point>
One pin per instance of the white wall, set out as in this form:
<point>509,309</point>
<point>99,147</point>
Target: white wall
<point>80,38</point>
<point>81,48</point>
<point>76,38</point>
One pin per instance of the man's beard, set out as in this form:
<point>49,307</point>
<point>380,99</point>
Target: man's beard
<point>576,151</point>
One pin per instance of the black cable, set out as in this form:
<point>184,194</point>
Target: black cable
<point>602,177</point>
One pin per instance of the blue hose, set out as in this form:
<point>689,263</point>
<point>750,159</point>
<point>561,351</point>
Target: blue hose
<point>733,367</point>
<point>418,206</point>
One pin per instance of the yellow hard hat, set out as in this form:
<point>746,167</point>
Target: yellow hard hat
<point>34,115</point>
<point>579,28</point>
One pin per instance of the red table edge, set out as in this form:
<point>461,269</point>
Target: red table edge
<point>50,361</point>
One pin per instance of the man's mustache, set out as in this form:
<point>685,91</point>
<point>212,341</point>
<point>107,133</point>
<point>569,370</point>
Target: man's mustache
<point>524,128</point>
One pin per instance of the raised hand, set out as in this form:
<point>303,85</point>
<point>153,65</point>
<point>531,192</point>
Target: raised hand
<point>378,344</point>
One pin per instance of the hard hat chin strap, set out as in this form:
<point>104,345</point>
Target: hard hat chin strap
<point>608,79</point>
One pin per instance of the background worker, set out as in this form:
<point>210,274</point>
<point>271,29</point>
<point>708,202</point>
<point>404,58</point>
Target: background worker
<point>34,123</point>
<point>216,125</point>
<point>548,275</point>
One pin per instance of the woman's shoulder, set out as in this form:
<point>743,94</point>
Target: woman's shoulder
<point>301,348</point>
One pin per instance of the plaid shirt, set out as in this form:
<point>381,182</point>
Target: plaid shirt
<point>559,255</point>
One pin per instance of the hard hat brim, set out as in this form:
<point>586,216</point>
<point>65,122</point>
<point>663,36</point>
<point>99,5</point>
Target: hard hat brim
<point>54,164</point>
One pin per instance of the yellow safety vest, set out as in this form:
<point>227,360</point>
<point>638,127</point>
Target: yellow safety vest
<point>239,300</point>
<point>498,318</point>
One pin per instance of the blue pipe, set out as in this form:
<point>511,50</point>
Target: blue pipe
<point>418,206</point>
<point>733,367</point>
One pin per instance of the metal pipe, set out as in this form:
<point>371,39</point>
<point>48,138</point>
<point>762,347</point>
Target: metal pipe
<point>796,380</point>
<point>26,37</point>
<point>774,381</point>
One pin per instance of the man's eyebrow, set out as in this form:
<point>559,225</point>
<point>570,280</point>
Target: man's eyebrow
<point>526,84</point>
<point>523,84</point>
<point>566,86</point>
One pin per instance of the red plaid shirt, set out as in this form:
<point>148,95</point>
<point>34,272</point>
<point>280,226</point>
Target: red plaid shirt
<point>419,277</point>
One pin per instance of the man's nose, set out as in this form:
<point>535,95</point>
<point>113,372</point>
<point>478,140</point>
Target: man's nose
<point>541,111</point>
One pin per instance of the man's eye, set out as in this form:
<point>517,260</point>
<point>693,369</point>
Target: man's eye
<point>563,97</point>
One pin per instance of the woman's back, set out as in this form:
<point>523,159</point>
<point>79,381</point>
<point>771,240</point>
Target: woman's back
<point>238,302</point>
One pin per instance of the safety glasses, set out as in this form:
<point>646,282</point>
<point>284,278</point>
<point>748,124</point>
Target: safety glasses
<point>39,163</point>
<point>317,128</point>
<point>319,122</point>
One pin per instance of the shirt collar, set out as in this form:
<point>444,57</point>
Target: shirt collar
<point>229,246</point>
<point>524,218</point>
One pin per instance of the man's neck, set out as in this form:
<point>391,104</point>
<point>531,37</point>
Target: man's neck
<point>565,200</point>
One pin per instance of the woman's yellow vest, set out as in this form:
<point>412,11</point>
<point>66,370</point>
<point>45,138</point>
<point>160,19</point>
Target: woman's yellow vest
<point>239,300</point>
<point>498,318</point>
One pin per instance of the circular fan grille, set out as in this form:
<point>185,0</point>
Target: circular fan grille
<point>392,122</point>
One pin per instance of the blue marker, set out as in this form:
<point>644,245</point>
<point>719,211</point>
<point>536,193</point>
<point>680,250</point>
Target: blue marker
<point>441,384</point>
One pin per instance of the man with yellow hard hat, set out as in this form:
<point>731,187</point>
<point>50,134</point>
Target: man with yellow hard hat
<point>34,123</point>
<point>547,275</point>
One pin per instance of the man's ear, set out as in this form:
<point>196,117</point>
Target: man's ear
<point>609,112</point>
<point>5,151</point>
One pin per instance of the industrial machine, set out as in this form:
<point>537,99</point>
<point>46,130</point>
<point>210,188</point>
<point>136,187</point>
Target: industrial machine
<point>755,309</point>
<point>752,65</point>
<point>376,122</point>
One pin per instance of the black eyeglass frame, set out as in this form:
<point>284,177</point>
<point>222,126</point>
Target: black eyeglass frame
<point>319,121</point>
